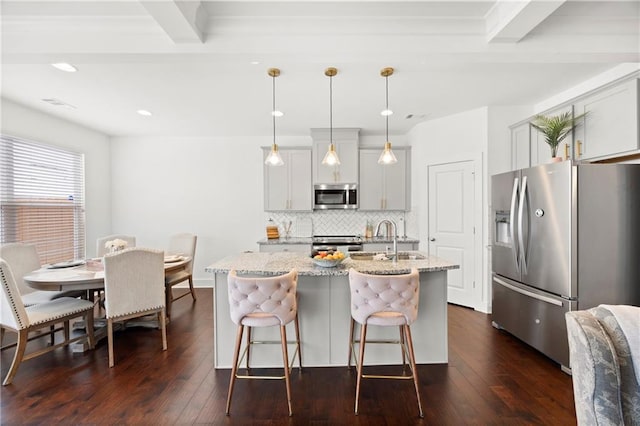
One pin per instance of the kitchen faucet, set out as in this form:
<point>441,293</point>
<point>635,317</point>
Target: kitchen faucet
<point>395,236</point>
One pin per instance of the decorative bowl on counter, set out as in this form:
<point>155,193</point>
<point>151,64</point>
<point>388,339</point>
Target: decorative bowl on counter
<point>328,259</point>
<point>327,263</point>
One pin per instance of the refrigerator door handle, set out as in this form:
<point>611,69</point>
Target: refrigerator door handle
<point>528,293</point>
<point>523,253</point>
<point>512,223</point>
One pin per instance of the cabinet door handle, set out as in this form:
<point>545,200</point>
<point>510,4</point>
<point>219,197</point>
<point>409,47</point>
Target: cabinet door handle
<point>432,239</point>
<point>566,151</point>
<point>579,148</point>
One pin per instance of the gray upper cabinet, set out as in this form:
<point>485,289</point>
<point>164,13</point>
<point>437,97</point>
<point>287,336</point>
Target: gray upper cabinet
<point>346,144</point>
<point>288,187</point>
<point>384,187</point>
<point>611,125</point>
<point>520,146</point>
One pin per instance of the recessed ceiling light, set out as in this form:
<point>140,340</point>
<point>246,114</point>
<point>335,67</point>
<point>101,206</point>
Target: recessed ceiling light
<point>255,62</point>
<point>386,112</point>
<point>63,66</point>
<point>144,112</point>
<point>277,113</point>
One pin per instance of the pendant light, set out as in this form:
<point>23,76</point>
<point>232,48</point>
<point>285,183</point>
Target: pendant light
<point>331,157</point>
<point>387,156</point>
<point>274,158</point>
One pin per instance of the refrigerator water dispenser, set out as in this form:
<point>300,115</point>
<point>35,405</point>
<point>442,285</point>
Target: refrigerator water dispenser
<point>502,229</point>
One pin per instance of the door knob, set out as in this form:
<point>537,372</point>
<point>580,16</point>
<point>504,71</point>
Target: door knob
<point>432,239</point>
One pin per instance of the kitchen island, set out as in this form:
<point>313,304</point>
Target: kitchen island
<point>324,309</point>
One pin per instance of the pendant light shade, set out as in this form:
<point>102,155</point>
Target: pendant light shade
<point>387,156</point>
<point>331,157</point>
<point>274,158</point>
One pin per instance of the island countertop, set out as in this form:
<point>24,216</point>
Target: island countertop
<point>277,263</point>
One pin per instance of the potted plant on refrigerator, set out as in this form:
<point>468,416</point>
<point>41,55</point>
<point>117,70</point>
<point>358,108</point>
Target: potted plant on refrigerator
<point>555,129</point>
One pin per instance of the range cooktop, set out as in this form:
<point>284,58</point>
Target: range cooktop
<point>337,239</point>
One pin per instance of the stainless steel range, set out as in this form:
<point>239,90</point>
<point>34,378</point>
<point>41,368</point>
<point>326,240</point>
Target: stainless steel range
<point>344,243</point>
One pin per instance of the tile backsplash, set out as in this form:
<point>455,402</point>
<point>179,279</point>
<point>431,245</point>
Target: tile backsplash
<point>340,222</point>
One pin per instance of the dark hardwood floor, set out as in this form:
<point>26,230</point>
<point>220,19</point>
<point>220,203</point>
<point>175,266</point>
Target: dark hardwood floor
<point>491,378</point>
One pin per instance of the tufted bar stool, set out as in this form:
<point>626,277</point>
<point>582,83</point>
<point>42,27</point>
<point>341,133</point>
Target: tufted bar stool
<point>388,301</point>
<point>263,302</point>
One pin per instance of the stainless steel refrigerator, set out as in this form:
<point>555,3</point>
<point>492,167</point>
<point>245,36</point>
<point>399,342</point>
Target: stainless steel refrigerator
<point>565,237</point>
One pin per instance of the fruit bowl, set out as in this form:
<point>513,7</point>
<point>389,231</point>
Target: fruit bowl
<point>327,263</point>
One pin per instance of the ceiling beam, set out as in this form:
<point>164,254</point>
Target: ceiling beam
<point>181,20</point>
<point>510,21</point>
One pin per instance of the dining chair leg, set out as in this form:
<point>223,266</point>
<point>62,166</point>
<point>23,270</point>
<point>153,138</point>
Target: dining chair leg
<point>21,345</point>
<point>363,336</point>
<point>52,334</point>
<point>296,324</point>
<point>193,293</point>
<point>402,346</point>
<point>1,335</point>
<point>412,360</point>
<point>285,359</point>
<point>168,298</point>
<point>351,326</point>
<point>110,340</point>
<point>67,332</point>
<point>234,367</point>
<point>163,328</point>
<point>88,320</point>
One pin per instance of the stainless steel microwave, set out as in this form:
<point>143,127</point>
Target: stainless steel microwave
<point>335,196</point>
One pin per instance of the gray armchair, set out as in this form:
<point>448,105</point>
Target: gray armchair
<point>604,348</point>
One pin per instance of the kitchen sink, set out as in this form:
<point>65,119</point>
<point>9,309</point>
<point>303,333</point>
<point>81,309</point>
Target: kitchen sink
<point>370,255</point>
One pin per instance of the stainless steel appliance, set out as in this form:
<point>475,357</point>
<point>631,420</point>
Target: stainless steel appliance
<point>565,237</point>
<point>344,243</point>
<point>335,196</point>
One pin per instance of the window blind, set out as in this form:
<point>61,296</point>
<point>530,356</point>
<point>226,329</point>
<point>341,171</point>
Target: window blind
<point>42,198</point>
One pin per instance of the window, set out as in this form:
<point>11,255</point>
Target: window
<point>42,198</point>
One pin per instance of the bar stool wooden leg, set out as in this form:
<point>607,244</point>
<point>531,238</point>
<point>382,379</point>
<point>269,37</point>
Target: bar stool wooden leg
<point>234,367</point>
<point>248,353</point>
<point>298,345</point>
<point>363,337</point>
<point>402,346</point>
<point>351,327</point>
<point>285,358</point>
<point>412,360</point>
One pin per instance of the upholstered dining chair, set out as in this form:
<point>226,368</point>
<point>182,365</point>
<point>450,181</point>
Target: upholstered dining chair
<point>101,250</point>
<point>16,317</point>
<point>388,301</point>
<point>263,302</point>
<point>185,245</point>
<point>23,258</point>
<point>134,287</point>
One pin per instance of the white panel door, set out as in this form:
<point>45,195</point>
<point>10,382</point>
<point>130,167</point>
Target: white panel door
<point>451,225</point>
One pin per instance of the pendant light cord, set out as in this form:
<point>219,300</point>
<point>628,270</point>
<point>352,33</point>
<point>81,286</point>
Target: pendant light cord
<point>331,110</point>
<point>386,79</point>
<point>273,111</point>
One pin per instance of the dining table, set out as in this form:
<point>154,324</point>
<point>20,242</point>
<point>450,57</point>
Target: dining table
<point>88,275</point>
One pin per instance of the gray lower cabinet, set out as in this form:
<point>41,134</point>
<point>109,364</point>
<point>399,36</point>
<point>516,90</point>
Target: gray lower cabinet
<point>611,125</point>
<point>288,187</point>
<point>384,187</point>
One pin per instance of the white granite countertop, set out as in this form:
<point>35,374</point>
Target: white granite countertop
<point>308,240</point>
<point>282,262</point>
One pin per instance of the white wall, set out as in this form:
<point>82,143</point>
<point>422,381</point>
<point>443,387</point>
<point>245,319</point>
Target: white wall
<point>26,123</point>
<point>458,137</point>
<point>207,186</point>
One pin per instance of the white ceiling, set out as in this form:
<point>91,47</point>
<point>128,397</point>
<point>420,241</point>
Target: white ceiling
<point>190,62</point>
